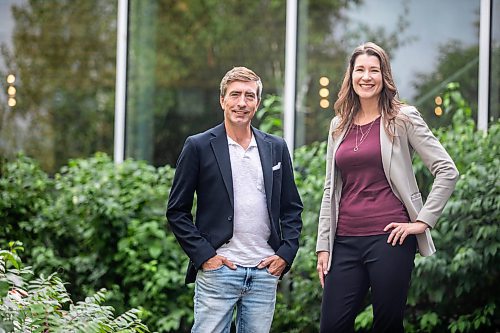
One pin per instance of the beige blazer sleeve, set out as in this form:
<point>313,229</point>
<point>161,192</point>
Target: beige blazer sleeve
<point>325,215</point>
<point>437,160</point>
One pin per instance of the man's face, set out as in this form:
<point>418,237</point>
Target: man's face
<point>240,103</point>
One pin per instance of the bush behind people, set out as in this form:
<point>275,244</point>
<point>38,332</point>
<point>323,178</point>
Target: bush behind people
<point>100,225</point>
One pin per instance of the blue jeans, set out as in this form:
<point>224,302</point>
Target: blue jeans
<point>217,292</point>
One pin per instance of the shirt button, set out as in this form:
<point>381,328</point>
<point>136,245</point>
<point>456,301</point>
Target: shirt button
<point>229,218</point>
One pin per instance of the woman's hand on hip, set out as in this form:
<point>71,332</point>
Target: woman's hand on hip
<point>401,230</point>
<point>322,266</point>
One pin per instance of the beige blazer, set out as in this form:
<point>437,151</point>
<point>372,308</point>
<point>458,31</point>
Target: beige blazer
<point>411,135</point>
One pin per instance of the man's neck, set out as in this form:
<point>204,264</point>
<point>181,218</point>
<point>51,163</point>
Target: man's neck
<point>240,135</point>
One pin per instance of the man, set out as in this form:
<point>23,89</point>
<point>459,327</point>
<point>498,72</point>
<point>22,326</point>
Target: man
<point>246,232</point>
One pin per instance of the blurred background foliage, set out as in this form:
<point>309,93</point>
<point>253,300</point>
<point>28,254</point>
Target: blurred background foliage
<point>63,54</point>
<point>101,225</point>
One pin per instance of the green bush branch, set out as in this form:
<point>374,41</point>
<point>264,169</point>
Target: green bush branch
<point>40,305</point>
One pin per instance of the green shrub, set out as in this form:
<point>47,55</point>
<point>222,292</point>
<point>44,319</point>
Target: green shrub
<point>24,191</point>
<point>299,296</point>
<point>101,225</point>
<point>43,305</point>
<point>269,117</point>
<point>457,289</point>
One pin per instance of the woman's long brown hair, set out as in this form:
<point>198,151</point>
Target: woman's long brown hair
<point>348,104</point>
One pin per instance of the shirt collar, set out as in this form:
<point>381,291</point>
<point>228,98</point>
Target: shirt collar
<point>231,142</point>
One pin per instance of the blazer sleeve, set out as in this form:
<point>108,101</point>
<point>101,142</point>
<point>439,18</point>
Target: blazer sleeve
<point>290,211</point>
<point>439,163</point>
<point>325,218</point>
<point>180,204</point>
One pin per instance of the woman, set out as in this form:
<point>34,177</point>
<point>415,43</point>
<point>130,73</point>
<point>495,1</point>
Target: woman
<point>372,217</point>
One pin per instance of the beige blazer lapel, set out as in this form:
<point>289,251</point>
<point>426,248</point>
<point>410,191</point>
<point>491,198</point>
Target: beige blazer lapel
<point>386,151</point>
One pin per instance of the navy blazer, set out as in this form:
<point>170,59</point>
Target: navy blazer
<point>204,168</point>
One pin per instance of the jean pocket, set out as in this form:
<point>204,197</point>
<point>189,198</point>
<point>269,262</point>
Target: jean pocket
<point>267,271</point>
<point>213,270</point>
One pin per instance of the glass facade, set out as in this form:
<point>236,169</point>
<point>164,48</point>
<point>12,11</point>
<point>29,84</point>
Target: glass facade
<point>430,44</point>
<point>179,52</point>
<point>58,77</point>
<point>494,106</point>
<point>62,55</point>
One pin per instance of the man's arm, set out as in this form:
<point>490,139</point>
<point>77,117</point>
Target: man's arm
<point>180,204</point>
<point>290,211</point>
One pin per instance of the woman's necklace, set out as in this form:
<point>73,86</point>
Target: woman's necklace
<point>363,135</point>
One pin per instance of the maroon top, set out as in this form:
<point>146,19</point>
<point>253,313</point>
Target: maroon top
<point>367,203</point>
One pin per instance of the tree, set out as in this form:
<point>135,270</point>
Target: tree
<point>63,56</point>
<point>458,64</point>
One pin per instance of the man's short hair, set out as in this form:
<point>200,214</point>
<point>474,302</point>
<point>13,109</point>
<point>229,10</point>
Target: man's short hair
<point>240,74</point>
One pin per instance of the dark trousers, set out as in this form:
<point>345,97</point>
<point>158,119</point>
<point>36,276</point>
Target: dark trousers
<point>360,263</point>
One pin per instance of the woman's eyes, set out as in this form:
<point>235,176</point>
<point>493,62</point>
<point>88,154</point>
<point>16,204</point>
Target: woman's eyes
<point>361,70</point>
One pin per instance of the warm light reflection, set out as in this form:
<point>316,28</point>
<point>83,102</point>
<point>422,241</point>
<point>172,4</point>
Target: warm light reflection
<point>438,111</point>
<point>324,81</point>
<point>11,91</point>
<point>324,92</point>
<point>324,103</point>
<point>11,78</point>
<point>12,102</point>
<point>438,100</point>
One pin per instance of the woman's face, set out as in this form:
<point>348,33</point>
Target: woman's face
<point>367,79</point>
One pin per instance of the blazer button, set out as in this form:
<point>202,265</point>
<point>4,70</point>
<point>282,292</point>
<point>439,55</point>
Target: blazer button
<point>229,218</point>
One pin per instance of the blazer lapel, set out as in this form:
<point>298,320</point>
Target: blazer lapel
<point>221,151</point>
<point>266,160</point>
<point>386,151</point>
<point>337,143</point>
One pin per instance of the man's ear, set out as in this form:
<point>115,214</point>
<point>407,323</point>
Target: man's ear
<point>221,101</point>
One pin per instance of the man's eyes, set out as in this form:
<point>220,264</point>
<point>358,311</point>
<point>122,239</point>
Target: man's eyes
<point>247,96</point>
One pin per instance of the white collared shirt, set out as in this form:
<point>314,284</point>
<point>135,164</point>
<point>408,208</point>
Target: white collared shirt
<point>251,219</point>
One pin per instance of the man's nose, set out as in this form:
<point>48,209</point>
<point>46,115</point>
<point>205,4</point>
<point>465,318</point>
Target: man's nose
<point>242,100</point>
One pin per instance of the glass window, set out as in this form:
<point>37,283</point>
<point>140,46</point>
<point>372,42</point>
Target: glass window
<point>430,43</point>
<point>58,79</point>
<point>495,61</point>
<point>178,53</point>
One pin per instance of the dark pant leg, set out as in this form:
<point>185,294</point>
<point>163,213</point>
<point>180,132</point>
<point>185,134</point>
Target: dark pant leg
<point>346,285</point>
<point>389,269</point>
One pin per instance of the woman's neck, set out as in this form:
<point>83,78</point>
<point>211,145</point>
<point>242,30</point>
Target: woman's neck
<point>368,112</point>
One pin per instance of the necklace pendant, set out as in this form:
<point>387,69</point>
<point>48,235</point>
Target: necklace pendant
<point>356,149</point>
